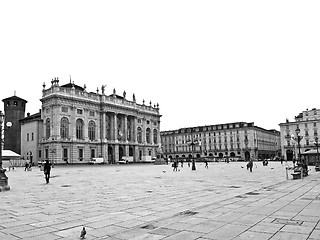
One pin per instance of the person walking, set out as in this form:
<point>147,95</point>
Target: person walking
<point>175,165</point>
<point>206,163</point>
<point>26,166</point>
<point>250,165</point>
<point>46,170</point>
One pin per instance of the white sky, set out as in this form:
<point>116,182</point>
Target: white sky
<point>204,62</point>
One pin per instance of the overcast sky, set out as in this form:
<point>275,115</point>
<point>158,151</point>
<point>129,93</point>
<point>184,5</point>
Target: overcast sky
<point>204,62</point>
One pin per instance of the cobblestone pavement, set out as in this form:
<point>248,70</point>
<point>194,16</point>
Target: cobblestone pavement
<point>149,201</point>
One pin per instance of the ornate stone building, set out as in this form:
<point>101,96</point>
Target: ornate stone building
<point>231,140</point>
<point>80,125</point>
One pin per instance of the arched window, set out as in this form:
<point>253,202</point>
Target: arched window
<point>155,136</point>
<point>148,135</point>
<point>64,128</point>
<point>79,129</point>
<point>92,130</point>
<point>139,135</point>
<point>48,133</point>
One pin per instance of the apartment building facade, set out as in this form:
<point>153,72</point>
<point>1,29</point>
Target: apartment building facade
<point>239,140</point>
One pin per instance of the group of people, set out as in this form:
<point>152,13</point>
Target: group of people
<point>175,164</point>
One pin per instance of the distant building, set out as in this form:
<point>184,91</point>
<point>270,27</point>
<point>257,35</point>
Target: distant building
<point>31,134</point>
<point>78,125</point>
<point>229,140</point>
<point>308,122</point>
<point>14,110</point>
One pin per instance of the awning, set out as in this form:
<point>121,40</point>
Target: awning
<point>9,154</point>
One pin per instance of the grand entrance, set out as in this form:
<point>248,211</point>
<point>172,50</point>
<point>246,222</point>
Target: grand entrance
<point>247,156</point>
<point>121,152</point>
<point>110,155</point>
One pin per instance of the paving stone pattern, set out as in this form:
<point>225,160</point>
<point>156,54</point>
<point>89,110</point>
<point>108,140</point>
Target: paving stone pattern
<point>149,201</point>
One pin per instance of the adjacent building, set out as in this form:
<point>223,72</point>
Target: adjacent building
<point>14,110</point>
<point>230,140</point>
<point>307,122</point>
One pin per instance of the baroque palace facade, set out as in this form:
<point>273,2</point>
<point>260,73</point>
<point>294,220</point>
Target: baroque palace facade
<point>78,125</point>
<point>231,140</point>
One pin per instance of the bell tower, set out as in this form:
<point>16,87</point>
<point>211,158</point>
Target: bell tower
<point>14,110</point>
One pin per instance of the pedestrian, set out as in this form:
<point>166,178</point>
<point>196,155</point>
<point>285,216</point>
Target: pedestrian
<point>206,163</point>
<point>46,170</point>
<point>26,166</point>
<point>181,161</point>
<point>281,160</point>
<point>175,165</point>
<point>250,165</point>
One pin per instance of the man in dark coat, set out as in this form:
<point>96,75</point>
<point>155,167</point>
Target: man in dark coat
<point>46,170</point>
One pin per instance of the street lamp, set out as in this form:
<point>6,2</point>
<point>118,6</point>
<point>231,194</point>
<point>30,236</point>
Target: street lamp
<point>298,140</point>
<point>3,178</point>
<point>316,142</point>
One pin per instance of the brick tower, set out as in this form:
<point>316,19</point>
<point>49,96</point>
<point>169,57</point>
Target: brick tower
<point>14,110</point>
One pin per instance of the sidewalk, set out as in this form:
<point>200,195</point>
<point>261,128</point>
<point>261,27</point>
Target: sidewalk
<point>152,202</point>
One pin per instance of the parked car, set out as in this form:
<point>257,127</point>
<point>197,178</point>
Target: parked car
<point>125,160</point>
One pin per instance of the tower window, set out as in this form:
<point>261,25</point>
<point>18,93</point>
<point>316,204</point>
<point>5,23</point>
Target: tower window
<point>15,103</point>
<point>8,103</point>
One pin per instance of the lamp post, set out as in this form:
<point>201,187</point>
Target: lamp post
<point>298,140</point>
<point>3,178</point>
<point>316,142</point>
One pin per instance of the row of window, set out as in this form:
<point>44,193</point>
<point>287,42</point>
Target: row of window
<point>15,103</point>
<point>64,131</point>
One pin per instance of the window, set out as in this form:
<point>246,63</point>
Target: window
<point>93,153</point>
<point>79,111</point>
<point>139,135</point>
<point>155,136</point>
<point>92,130</point>
<point>47,153</point>
<point>39,153</point>
<point>148,135</point>
<point>48,133</point>
<point>65,154</point>
<point>79,129</point>
<point>306,125</point>
<point>15,103</point>
<point>307,141</point>
<point>80,154</point>
<point>64,109</point>
<point>32,136</point>
<point>139,120</point>
<point>155,124</point>
<point>64,128</point>
<point>8,103</point>
<point>27,136</point>
<point>91,113</point>
<point>314,124</point>
<point>306,133</point>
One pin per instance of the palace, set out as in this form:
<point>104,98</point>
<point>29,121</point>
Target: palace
<point>239,140</point>
<point>78,126</point>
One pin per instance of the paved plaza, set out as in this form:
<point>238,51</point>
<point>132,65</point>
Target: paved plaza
<point>146,201</point>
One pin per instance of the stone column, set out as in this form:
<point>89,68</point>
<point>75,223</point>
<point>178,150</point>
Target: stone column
<point>134,128</point>
<point>103,126</point>
<point>115,128</point>
<point>125,127</point>
<point>116,153</point>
